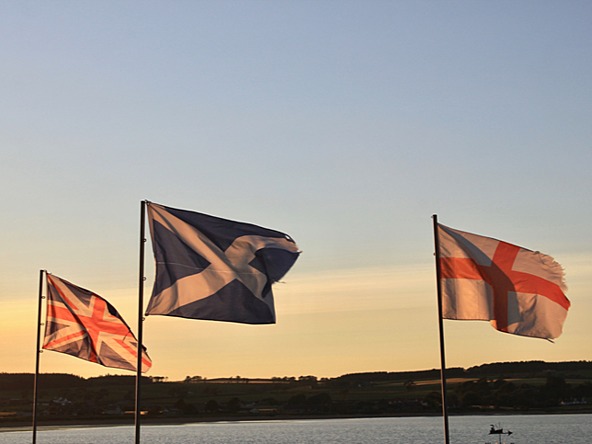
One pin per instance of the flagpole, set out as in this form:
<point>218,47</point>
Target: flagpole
<point>441,329</point>
<point>140,319</point>
<point>37,353</point>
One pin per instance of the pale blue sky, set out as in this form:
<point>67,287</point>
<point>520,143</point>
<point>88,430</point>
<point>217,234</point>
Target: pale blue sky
<point>345,124</point>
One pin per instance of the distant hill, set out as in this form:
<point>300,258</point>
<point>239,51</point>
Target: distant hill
<point>530,369</point>
<point>529,386</point>
<point>497,370</point>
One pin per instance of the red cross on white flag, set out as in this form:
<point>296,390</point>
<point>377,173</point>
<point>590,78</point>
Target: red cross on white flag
<point>519,291</point>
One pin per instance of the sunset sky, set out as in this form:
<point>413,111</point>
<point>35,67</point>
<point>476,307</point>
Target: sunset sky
<point>345,124</point>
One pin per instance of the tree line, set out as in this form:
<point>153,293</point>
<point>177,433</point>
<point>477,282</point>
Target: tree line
<point>505,386</point>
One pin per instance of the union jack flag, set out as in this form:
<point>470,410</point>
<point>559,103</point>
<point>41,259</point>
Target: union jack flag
<point>83,324</point>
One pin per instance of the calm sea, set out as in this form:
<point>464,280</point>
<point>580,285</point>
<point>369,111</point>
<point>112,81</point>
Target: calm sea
<point>536,429</point>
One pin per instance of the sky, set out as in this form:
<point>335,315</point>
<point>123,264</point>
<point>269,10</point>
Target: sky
<point>346,124</point>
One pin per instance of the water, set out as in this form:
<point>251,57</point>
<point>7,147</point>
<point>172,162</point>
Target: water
<point>535,429</point>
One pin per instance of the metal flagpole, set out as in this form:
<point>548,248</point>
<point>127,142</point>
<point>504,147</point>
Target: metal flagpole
<point>37,353</point>
<point>140,320</point>
<point>441,329</point>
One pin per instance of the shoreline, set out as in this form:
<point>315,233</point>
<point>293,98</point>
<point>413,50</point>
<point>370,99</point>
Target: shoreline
<point>22,426</point>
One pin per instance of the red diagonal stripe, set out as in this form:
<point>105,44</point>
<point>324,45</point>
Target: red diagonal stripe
<point>57,342</point>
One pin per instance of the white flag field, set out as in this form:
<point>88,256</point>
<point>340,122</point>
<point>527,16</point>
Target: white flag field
<point>518,290</point>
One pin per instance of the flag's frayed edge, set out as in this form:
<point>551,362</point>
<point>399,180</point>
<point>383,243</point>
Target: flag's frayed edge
<point>555,269</point>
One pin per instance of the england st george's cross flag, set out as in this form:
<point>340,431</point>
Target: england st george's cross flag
<point>215,269</point>
<point>83,324</point>
<point>519,291</point>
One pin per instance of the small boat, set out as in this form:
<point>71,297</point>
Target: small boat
<point>499,431</point>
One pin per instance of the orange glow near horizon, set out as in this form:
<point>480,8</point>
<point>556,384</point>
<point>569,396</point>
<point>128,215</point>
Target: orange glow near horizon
<point>329,323</point>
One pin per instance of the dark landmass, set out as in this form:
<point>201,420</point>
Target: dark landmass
<point>504,387</point>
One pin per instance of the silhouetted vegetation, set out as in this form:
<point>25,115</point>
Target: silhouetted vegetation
<point>508,386</point>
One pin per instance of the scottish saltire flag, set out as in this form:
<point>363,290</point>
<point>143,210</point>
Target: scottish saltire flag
<point>518,290</point>
<point>83,324</point>
<point>215,269</point>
